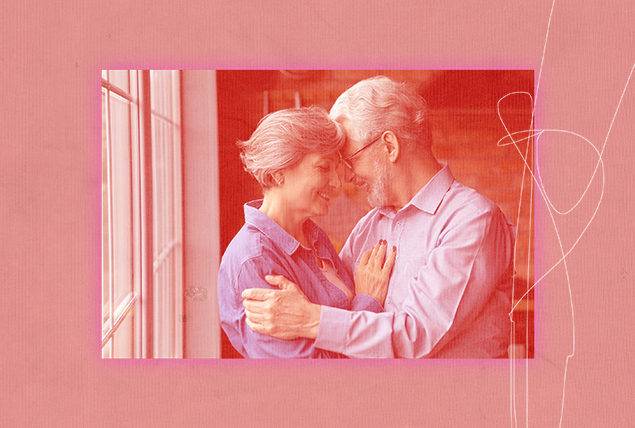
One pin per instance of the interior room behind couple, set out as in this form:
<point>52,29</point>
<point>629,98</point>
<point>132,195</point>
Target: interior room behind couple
<point>453,249</point>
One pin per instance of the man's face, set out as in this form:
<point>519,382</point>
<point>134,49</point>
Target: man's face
<point>368,168</point>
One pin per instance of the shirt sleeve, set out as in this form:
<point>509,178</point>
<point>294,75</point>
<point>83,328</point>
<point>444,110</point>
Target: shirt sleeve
<point>448,291</point>
<point>249,343</point>
<point>366,302</point>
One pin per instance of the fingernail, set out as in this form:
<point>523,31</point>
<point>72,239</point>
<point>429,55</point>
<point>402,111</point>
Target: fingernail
<point>394,248</point>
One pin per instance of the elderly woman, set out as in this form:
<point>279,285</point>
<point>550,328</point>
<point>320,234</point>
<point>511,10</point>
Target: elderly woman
<point>294,156</point>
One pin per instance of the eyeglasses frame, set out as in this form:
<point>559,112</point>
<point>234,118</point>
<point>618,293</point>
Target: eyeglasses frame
<point>347,161</point>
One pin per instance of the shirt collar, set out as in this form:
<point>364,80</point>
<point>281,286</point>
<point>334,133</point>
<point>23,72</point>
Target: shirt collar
<point>271,229</point>
<point>430,196</point>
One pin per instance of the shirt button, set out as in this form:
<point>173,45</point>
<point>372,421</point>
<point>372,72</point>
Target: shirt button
<point>387,300</point>
<point>399,223</point>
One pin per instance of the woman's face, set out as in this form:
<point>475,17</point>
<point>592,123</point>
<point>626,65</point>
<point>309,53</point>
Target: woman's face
<point>308,187</point>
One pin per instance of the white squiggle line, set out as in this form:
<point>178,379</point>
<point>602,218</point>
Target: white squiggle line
<point>513,416</point>
<point>520,200</point>
<point>538,180</point>
<point>529,269</point>
<point>513,413</point>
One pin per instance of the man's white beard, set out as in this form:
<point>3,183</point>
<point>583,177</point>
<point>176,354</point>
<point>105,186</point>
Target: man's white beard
<point>378,190</point>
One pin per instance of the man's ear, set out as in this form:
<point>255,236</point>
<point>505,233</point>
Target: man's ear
<point>392,145</point>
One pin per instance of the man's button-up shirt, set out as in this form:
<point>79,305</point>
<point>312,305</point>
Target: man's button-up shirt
<point>450,289</point>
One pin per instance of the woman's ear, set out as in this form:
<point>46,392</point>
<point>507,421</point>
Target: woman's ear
<point>278,177</point>
<point>392,145</point>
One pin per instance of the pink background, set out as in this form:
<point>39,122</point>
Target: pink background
<point>51,372</point>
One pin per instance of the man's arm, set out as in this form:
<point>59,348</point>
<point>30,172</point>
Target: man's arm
<point>248,342</point>
<point>448,291</point>
<point>287,313</point>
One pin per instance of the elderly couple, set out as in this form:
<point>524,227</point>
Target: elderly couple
<point>426,273</point>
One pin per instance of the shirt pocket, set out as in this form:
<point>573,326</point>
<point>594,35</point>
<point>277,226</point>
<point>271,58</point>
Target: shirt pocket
<point>406,278</point>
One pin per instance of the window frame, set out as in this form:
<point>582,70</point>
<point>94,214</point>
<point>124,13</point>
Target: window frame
<point>119,311</point>
<point>141,302</point>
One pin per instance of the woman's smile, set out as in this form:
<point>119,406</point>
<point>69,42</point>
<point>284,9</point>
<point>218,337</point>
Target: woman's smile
<point>326,196</point>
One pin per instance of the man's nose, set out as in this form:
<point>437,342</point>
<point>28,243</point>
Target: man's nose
<point>348,174</point>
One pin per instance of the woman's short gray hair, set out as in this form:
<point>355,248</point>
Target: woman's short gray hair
<point>284,137</point>
<point>380,104</point>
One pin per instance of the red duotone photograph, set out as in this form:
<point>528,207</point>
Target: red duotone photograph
<point>317,214</point>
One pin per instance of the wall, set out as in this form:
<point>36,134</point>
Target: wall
<point>201,247</point>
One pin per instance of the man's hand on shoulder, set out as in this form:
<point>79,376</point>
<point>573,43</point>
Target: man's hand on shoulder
<point>285,313</point>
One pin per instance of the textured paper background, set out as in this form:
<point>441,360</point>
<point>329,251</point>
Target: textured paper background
<point>51,371</point>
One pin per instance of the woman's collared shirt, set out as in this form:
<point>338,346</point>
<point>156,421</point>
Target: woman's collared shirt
<point>262,248</point>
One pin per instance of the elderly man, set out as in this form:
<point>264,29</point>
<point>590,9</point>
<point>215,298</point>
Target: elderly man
<point>450,289</point>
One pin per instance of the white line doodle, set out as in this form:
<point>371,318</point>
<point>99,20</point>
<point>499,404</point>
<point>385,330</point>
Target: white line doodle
<point>532,136</point>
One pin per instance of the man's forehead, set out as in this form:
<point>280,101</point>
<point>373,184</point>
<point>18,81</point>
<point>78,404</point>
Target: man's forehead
<point>349,147</point>
<point>346,124</point>
<point>350,144</point>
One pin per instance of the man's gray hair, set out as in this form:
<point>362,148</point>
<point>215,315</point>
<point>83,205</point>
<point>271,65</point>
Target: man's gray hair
<point>380,104</point>
<point>284,137</point>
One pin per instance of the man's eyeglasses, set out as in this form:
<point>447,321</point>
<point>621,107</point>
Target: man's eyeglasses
<point>347,160</point>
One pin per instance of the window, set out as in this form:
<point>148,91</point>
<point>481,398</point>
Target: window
<point>142,281</point>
